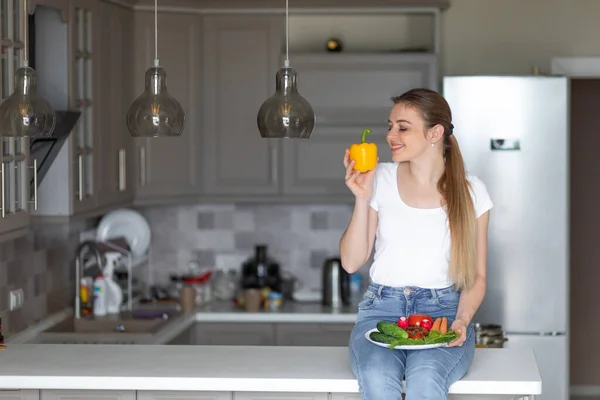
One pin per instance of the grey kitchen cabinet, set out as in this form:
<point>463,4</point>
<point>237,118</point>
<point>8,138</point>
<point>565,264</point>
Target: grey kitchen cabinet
<point>241,57</point>
<point>348,92</point>
<point>169,168</point>
<point>235,334</point>
<point>70,78</point>
<point>185,338</point>
<point>115,182</point>
<point>279,396</point>
<point>87,394</point>
<point>19,394</point>
<point>85,93</point>
<point>91,44</point>
<point>169,395</point>
<point>315,168</point>
<point>294,334</point>
<point>14,184</point>
<point>14,152</point>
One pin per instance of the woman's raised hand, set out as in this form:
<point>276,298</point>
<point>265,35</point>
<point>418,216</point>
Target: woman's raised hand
<point>361,184</point>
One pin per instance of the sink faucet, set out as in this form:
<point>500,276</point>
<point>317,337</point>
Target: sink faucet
<point>79,270</point>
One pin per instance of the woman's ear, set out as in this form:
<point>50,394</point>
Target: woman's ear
<point>435,133</point>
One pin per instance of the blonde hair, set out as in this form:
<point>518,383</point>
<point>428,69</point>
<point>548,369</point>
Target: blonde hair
<point>453,186</point>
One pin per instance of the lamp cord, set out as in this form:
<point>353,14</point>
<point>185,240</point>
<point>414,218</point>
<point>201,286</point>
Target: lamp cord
<point>156,33</point>
<point>287,35</point>
<point>25,35</point>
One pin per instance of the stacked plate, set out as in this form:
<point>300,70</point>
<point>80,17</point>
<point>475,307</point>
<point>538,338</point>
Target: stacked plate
<point>129,224</point>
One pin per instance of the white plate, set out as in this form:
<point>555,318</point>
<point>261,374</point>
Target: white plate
<point>129,224</point>
<point>405,346</point>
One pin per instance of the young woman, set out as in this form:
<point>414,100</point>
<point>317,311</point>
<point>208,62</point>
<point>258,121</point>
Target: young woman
<point>430,221</point>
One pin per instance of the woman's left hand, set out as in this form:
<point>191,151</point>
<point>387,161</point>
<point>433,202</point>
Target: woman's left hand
<point>459,327</point>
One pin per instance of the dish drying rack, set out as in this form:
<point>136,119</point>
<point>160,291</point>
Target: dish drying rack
<point>129,261</point>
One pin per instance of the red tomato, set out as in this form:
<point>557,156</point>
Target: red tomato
<point>426,324</point>
<point>419,319</point>
<point>416,332</point>
<point>403,322</point>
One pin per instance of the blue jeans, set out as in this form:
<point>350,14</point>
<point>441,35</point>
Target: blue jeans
<point>428,373</point>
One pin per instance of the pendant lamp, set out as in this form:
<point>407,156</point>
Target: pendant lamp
<point>155,113</point>
<point>286,114</point>
<point>25,113</point>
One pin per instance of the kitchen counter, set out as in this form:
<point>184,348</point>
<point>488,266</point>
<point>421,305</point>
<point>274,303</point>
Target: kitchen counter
<point>233,369</point>
<point>215,312</point>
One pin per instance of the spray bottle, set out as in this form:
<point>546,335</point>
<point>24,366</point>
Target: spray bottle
<point>114,293</point>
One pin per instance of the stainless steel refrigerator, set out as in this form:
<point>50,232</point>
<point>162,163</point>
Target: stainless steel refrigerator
<point>513,133</point>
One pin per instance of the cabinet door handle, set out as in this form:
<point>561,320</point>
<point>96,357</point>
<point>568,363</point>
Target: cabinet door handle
<point>122,182</point>
<point>3,198</point>
<point>274,162</point>
<point>142,166</point>
<point>35,185</point>
<point>80,159</point>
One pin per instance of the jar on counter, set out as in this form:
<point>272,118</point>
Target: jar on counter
<point>225,285</point>
<point>201,285</point>
<point>177,283</point>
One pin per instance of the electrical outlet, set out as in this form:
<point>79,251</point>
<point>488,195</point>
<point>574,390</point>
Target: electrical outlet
<point>16,299</point>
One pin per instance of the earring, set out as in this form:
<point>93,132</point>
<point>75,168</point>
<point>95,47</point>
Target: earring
<point>432,144</point>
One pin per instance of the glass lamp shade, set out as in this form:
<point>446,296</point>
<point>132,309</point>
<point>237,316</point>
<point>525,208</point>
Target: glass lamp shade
<point>155,113</point>
<point>25,113</point>
<point>286,114</point>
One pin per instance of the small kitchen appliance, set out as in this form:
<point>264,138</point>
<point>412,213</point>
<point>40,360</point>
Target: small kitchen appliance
<point>336,284</point>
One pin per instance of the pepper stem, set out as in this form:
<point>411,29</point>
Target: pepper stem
<point>364,135</point>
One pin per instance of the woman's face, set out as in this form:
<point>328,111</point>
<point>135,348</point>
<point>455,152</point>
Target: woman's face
<point>406,134</point>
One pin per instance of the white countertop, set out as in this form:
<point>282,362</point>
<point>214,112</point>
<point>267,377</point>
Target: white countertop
<point>232,369</point>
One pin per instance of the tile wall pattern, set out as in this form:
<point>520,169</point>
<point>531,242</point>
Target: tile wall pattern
<point>299,237</point>
<point>42,264</point>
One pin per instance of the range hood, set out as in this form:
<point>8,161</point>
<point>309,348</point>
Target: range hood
<point>44,150</point>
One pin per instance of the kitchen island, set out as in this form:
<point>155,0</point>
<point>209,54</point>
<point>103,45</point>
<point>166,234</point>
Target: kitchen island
<point>151,372</point>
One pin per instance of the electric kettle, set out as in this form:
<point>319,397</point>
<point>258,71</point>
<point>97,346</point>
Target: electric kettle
<point>336,284</point>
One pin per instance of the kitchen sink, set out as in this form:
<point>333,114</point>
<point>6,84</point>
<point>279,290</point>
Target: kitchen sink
<point>117,324</point>
<point>122,328</point>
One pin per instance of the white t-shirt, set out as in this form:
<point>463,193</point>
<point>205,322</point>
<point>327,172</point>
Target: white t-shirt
<point>412,245</point>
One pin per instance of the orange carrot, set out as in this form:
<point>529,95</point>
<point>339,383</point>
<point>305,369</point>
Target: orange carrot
<point>437,324</point>
<point>444,326</point>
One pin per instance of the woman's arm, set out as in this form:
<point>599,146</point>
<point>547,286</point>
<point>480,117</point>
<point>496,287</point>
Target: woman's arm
<point>357,241</point>
<point>471,299</point>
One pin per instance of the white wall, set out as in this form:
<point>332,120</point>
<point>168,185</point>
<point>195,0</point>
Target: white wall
<point>511,36</point>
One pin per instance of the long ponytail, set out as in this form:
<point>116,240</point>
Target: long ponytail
<point>456,191</point>
<point>453,186</point>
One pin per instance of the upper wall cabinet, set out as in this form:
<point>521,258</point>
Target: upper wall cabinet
<point>116,182</point>
<point>241,57</point>
<point>83,57</point>
<point>168,169</point>
<point>349,92</point>
<point>355,89</point>
<point>14,171</point>
<point>67,60</point>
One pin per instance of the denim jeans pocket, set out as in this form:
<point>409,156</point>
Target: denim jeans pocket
<point>447,298</point>
<point>369,301</point>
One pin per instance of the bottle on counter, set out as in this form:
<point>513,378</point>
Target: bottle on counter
<point>100,297</point>
<point>86,296</point>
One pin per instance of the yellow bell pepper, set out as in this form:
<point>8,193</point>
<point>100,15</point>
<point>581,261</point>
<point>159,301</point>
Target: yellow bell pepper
<point>364,154</point>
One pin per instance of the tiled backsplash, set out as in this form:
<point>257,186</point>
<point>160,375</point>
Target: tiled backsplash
<point>299,237</point>
<point>41,263</point>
